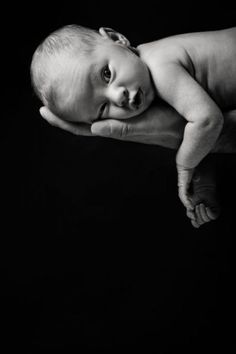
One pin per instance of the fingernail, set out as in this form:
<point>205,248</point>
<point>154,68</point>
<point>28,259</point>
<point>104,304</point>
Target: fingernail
<point>41,110</point>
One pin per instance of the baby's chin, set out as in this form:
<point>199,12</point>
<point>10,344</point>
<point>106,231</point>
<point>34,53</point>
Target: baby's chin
<point>133,113</point>
<point>143,108</point>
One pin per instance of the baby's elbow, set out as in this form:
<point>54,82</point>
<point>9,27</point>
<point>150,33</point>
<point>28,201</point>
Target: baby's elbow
<point>212,122</point>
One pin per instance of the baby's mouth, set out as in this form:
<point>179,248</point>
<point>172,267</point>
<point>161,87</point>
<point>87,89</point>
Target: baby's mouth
<point>137,100</point>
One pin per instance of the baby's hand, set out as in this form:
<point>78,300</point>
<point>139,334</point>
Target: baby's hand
<point>206,205</point>
<point>184,181</point>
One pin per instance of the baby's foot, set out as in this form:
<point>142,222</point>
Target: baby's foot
<point>205,201</point>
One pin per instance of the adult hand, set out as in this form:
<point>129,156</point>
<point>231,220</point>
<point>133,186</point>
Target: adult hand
<point>166,131</point>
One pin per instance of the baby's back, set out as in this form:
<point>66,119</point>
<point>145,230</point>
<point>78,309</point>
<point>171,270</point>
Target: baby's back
<point>210,57</point>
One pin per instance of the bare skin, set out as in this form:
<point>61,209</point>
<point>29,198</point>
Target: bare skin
<point>145,129</point>
<point>194,73</point>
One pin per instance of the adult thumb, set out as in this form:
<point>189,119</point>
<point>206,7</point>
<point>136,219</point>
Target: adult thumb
<point>110,128</point>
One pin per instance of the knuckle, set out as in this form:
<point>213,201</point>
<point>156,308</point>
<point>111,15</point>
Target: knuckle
<point>112,130</point>
<point>119,131</point>
<point>124,130</point>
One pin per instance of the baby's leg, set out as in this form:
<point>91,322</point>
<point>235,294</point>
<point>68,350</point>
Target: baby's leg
<point>204,194</point>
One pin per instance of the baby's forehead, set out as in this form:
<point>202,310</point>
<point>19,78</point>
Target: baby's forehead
<point>76,98</point>
<point>78,79</point>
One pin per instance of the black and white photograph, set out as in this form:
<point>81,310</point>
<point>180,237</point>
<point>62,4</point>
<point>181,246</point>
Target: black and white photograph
<point>118,170</point>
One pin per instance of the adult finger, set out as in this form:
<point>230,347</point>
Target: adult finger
<point>144,129</point>
<point>76,129</point>
<point>112,128</point>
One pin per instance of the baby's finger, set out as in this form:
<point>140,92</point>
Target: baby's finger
<point>198,215</point>
<point>191,214</point>
<point>212,214</point>
<point>203,212</point>
<point>195,224</point>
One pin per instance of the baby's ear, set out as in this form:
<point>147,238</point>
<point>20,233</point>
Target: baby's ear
<point>115,36</point>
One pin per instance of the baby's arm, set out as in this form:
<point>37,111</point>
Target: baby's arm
<point>204,120</point>
<point>159,125</point>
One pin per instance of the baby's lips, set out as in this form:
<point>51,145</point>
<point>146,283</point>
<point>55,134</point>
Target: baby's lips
<point>136,100</point>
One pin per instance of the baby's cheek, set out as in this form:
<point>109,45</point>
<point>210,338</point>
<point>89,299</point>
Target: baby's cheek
<point>151,96</point>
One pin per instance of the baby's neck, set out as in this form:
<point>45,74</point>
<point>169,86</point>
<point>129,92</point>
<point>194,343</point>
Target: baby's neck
<point>134,50</point>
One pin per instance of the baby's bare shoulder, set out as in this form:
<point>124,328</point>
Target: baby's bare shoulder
<point>179,47</point>
<point>159,53</point>
<point>161,50</point>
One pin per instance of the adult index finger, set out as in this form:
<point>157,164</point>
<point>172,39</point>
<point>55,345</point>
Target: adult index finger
<point>76,129</point>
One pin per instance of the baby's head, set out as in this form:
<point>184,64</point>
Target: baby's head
<point>83,75</point>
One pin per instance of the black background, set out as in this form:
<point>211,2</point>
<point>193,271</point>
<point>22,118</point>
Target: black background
<point>96,251</point>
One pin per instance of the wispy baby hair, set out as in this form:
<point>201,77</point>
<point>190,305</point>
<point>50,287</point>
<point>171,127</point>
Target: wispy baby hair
<point>68,40</point>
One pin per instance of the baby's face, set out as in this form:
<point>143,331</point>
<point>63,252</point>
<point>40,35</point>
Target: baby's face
<point>111,83</point>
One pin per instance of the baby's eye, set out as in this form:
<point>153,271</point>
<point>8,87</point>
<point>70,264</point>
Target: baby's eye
<point>106,74</point>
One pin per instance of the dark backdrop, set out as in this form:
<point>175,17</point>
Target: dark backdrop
<point>97,253</point>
